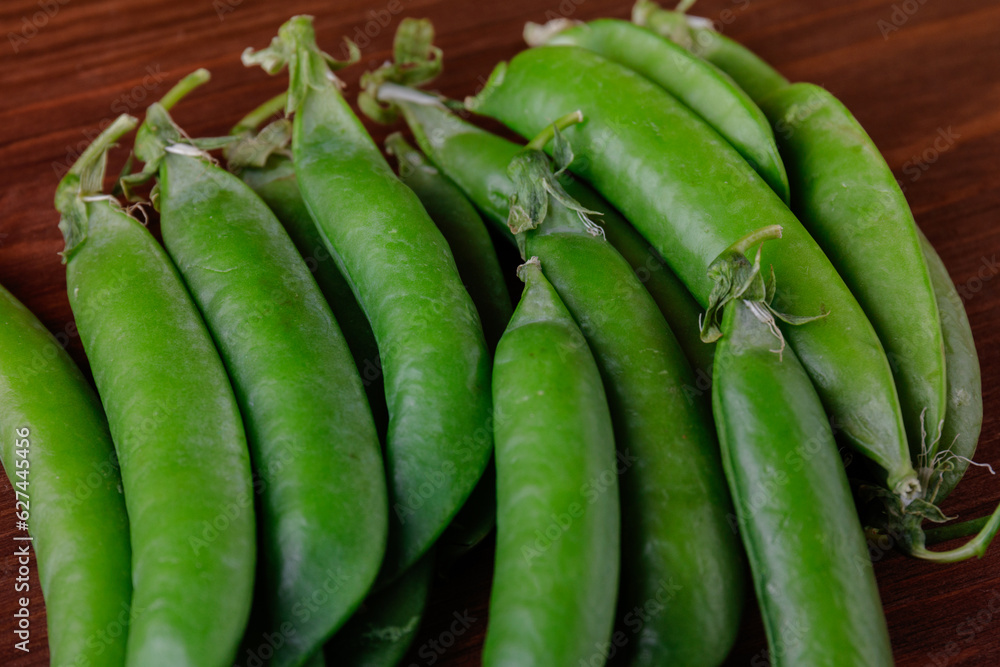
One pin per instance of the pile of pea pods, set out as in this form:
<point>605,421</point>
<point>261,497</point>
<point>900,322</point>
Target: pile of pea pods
<point>639,345</point>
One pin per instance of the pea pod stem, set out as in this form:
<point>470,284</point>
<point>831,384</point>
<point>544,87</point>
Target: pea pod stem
<point>546,135</point>
<point>393,92</point>
<point>754,238</point>
<point>94,155</point>
<point>184,86</point>
<point>975,547</point>
<point>954,531</point>
<point>256,118</point>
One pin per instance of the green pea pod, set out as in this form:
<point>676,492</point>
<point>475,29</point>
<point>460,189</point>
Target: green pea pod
<point>814,580</point>
<point>697,35</point>
<point>175,424</point>
<point>479,269</point>
<point>465,232</point>
<point>651,158</point>
<point>674,300</point>
<point>269,171</point>
<point>556,566</point>
<point>697,83</point>
<point>847,197</point>
<point>275,184</point>
<point>57,452</point>
<point>677,543</point>
<point>964,415</point>
<point>433,352</point>
<point>679,308</point>
<point>944,460</point>
<point>381,633</point>
<point>323,508</point>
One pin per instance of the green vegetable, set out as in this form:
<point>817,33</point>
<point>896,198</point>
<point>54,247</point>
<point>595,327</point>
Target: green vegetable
<point>261,160</point>
<point>677,543</point>
<point>323,513</point>
<point>480,271</point>
<point>814,579</point>
<point>964,415</point>
<point>819,137</point>
<point>689,193</point>
<point>58,454</point>
<point>380,634</point>
<point>433,353</point>
<point>847,197</point>
<point>700,85</point>
<point>697,35</point>
<point>175,424</point>
<point>674,300</point>
<point>556,568</point>
<point>465,233</point>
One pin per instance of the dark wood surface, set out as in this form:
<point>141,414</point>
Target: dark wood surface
<point>920,75</point>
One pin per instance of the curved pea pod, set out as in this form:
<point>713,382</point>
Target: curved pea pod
<point>444,137</point>
<point>431,343</point>
<point>847,197</point>
<point>814,580</point>
<point>556,570</point>
<point>465,233</point>
<point>697,83</point>
<point>275,183</point>
<point>57,452</point>
<point>319,475</point>
<point>175,424</point>
<point>479,269</point>
<point>812,573</point>
<point>651,157</point>
<point>676,538</point>
<point>381,633</point>
<point>697,35</point>
<point>674,300</point>
<point>964,416</point>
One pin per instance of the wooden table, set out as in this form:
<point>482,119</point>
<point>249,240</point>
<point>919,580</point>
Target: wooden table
<point>919,74</point>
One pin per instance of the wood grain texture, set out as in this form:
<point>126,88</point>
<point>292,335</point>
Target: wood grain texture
<point>67,66</point>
